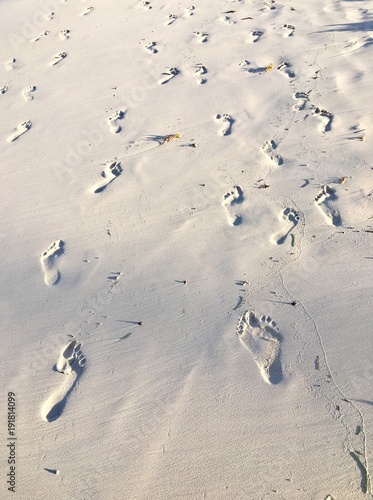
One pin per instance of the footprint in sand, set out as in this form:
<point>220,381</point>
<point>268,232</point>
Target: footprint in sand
<point>303,97</point>
<point>261,337</point>
<point>9,64</point>
<point>64,34</point>
<point>27,93</point>
<point>226,19</point>
<point>113,120</point>
<point>254,36</point>
<point>70,364</point>
<point>285,68</point>
<point>47,259</point>
<point>325,117</point>
<point>3,89</point>
<point>111,171</point>
<point>325,200</point>
<point>226,122</point>
<point>168,75</point>
<point>269,5</point>
<point>58,58</point>
<point>199,71</point>
<point>150,47</point>
<point>269,148</point>
<point>288,30</point>
<point>45,33</point>
<point>201,36</point>
<point>170,19</point>
<point>244,64</point>
<point>232,198</point>
<point>20,130</point>
<point>291,217</point>
<point>87,11</point>
<point>189,11</point>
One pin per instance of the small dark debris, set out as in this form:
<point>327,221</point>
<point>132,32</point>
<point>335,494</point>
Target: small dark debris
<point>338,408</point>
<point>52,471</point>
<point>294,303</point>
<point>140,323</point>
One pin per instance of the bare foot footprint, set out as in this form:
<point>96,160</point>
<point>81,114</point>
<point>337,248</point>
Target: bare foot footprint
<point>201,36</point>
<point>303,97</point>
<point>226,121</point>
<point>70,364</point>
<point>269,5</point>
<point>9,64</point>
<point>269,148</point>
<point>189,11</point>
<point>261,337</point>
<point>111,171</point>
<point>285,68</point>
<point>325,117</point>
<point>113,120</point>
<point>150,47</point>
<point>168,75</point>
<point>325,201</point>
<point>88,10</point>
<point>292,218</point>
<point>199,71</point>
<point>170,19</point>
<point>20,130</point>
<point>47,258</point>
<point>64,34</point>
<point>254,36</point>
<point>45,33</point>
<point>27,93</point>
<point>232,198</point>
<point>58,58</point>
<point>288,30</point>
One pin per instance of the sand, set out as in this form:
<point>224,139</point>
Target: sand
<point>186,242</point>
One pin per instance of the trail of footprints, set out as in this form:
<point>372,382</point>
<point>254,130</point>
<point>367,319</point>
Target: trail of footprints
<point>258,334</point>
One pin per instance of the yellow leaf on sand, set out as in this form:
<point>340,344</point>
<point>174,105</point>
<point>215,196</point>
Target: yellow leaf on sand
<point>171,137</point>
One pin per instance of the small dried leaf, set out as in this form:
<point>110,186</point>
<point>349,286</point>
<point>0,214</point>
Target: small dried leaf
<point>171,137</point>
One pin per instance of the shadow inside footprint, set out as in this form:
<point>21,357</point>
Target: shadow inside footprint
<point>237,220</point>
<point>275,370</point>
<point>57,409</point>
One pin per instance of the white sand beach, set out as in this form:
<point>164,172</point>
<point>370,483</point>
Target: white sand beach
<point>186,249</point>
